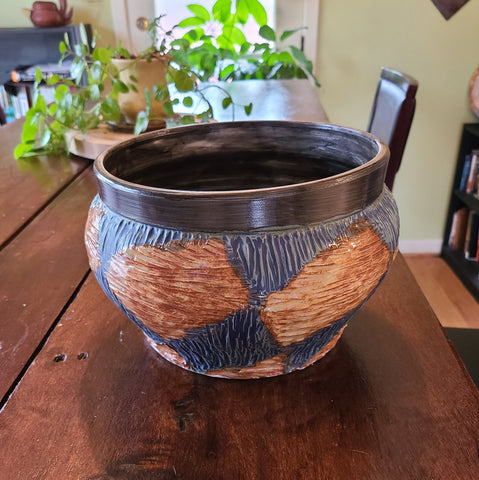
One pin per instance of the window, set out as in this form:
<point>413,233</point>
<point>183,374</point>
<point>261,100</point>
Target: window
<point>282,14</point>
<point>177,10</point>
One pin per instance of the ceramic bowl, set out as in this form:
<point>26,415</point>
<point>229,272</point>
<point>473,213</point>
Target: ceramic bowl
<point>242,249</point>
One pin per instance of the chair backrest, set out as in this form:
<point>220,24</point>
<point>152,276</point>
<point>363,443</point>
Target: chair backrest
<point>3,118</point>
<point>392,114</point>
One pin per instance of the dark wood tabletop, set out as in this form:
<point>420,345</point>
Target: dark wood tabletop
<point>83,396</point>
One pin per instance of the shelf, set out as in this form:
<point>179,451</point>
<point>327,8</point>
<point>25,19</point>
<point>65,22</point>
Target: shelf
<point>466,270</point>
<point>470,201</point>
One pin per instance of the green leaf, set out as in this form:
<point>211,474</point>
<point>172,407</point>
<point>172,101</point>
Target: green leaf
<point>40,104</point>
<point>95,71</point>
<point>244,48</point>
<point>62,47</point>
<point>47,134</point>
<point>102,55</point>
<point>191,22</point>
<point>222,10</point>
<point>234,34</point>
<point>227,71</point>
<point>94,92</point>
<point>29,132</point>
<point>168,109</point>
<point>200,11</point>
<point>141,122</point>
<point>224,42</point>
<point>183,82</point>
<point>83,35</point>
<point>287,33</point>
<point>38,75</point>
<point>78,49</point>
<point>242,11</point>
<point>298,55</point>
<point>187,120</point>
<point>267,33</point>
<point>66,39</point>
<point>119,86</point>
<point>77,68</point>
<point>160,92</point>
<point>53,80</point>
<point>21,150</point>
<point>60,91</point>
<point>248,109</point>
<point>110,110</point>
<point>258,11</point>
<point>285,58</point>
<point>147,96</point>
<point>226,102</point>
<point>188,101</point>
<point>66,101</point>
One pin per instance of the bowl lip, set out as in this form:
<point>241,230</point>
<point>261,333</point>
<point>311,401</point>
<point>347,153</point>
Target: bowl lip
<point>104,175</point>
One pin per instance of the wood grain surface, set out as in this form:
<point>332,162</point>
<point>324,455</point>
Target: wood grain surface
<point>389,402</point>
<point>40,270</point>
<point>27,185</point>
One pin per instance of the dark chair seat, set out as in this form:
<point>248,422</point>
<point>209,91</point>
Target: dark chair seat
<point>392,114</point>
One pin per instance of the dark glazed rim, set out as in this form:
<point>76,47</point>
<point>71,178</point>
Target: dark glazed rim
<point>245,210</point>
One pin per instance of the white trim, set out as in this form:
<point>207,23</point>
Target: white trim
<point>432,245</point>
<point>119,16</point>
<point>300,13</point>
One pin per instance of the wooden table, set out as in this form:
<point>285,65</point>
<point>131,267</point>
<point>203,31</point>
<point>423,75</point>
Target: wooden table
<point>85,397</point>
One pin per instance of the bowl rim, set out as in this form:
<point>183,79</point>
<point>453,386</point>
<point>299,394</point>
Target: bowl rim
<point>112,188</point>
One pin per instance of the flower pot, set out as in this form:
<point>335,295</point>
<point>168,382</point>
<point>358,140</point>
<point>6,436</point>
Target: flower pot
<point>242,249</point>
<point>147,73</point>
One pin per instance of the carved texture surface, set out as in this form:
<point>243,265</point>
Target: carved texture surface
<point>243,305</point>
<point>328,287</point>
<point>179,288</point>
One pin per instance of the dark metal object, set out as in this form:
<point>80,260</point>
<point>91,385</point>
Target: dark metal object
<point>242,176</point>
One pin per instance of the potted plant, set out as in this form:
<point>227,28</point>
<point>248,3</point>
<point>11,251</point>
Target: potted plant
<point>229,55</point>
<point>101,80</point>
<point>104,79</point>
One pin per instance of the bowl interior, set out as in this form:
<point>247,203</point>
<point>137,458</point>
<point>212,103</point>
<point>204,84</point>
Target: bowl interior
<point>239,156</point>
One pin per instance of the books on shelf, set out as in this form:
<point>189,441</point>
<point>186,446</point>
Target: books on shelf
<point>27,74</point>
<point>464,234</point>
<point>16,95</point>
<point>469,178</point>
<point>15,102</point>
<point>471,246</point>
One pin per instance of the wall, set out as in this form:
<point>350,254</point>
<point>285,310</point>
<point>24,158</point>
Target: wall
<point>355,40</point>
<point>95,12</point>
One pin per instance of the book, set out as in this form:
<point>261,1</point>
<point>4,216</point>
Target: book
<point>465,172</point>
<point>457,236</point>
<point>471,179</point>
<point>470,247</point>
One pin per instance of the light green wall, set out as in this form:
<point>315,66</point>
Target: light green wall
<point>356,38</point>
<point>95,12</point>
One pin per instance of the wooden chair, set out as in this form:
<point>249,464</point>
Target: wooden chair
<point>392,114</point>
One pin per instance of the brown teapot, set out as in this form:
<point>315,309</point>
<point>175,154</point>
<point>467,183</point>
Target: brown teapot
<point>47,14</point>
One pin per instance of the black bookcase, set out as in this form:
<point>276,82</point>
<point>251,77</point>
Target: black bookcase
<point>466,270</point>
